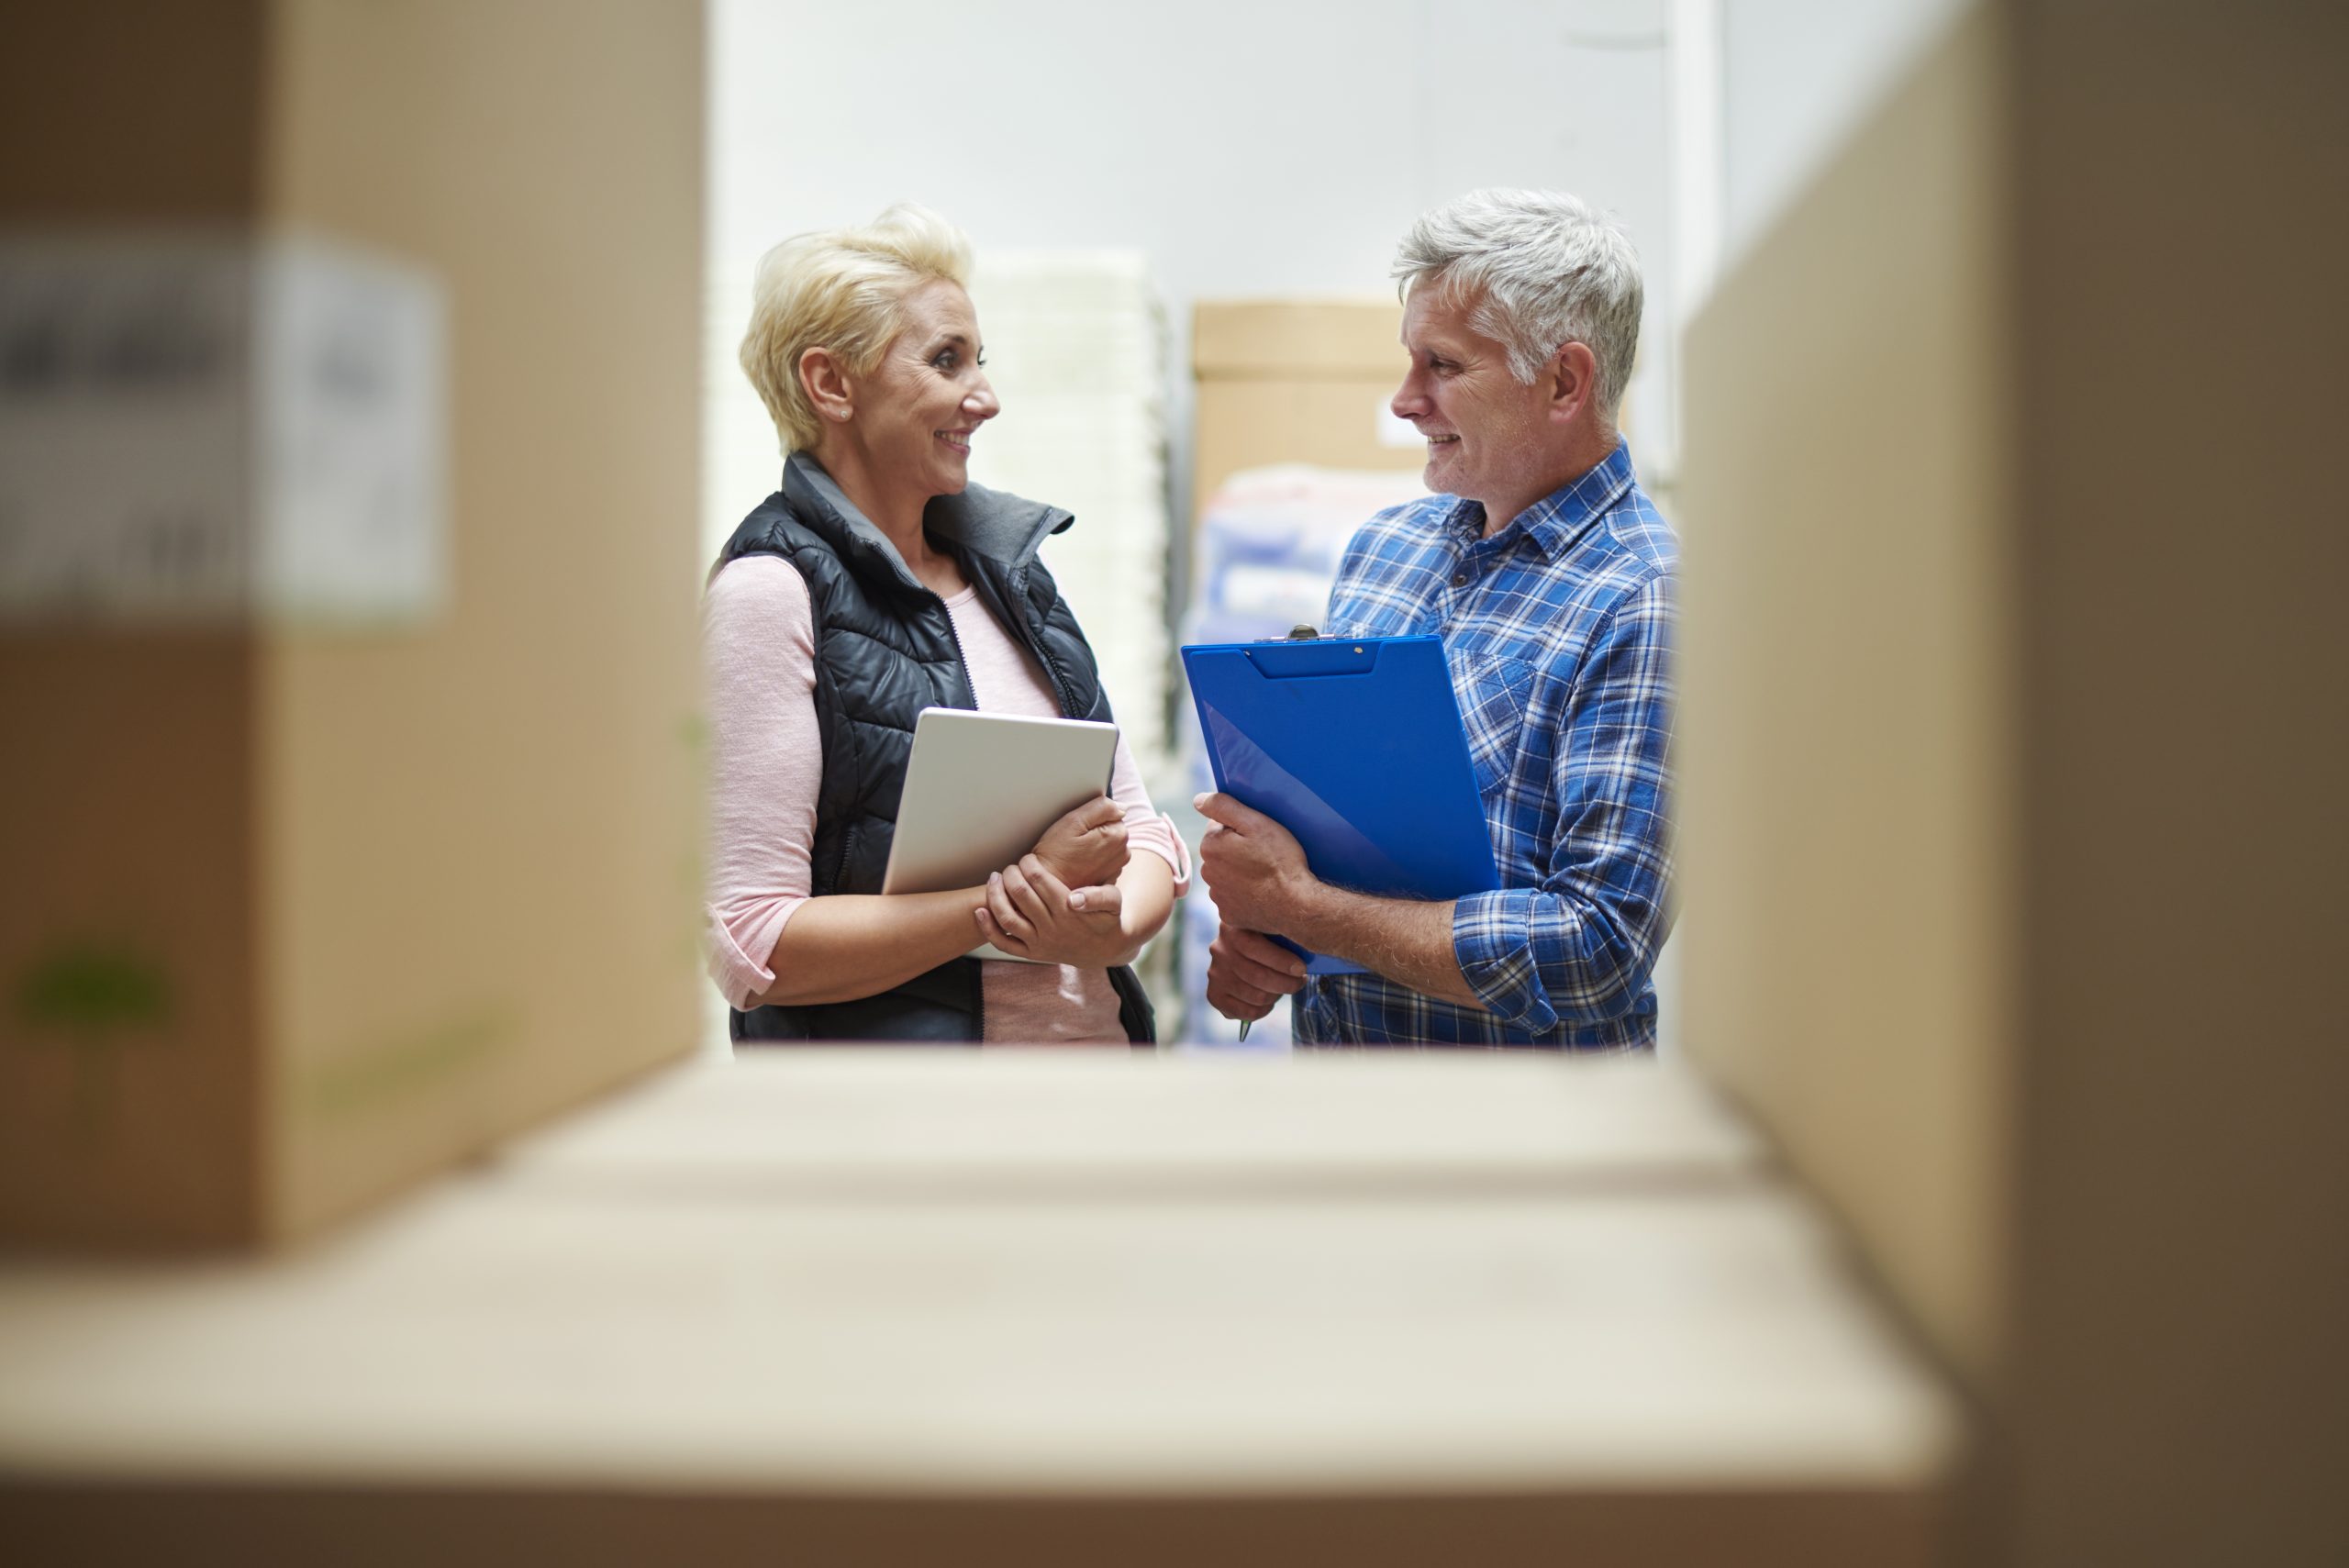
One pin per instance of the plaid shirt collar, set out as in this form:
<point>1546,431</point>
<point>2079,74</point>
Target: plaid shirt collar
<point>1560,518</point>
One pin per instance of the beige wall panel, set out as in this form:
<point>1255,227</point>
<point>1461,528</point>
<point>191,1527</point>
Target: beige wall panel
<point>1846,752</point>
<point>483,882</point>
<point>128,1039</point>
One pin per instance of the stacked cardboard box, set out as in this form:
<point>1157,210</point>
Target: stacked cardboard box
<point>2015,751</point>
<point>1293,448</point>
<point>1296,381</point>
<point>346,660</point>
<point>1049,1306</point>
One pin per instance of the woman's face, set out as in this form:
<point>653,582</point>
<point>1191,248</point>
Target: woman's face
<point>928,395</point>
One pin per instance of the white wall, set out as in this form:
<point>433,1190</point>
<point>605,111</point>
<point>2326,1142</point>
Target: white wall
<point>1246,147</point>
<point>1262,146</point>
<point>1798,76</point>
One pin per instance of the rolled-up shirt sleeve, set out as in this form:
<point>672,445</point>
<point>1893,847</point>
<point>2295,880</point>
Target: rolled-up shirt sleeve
<point>1579,948</point>
<point>1146,830</point>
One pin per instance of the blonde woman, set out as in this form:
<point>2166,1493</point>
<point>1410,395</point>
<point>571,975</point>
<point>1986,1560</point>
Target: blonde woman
<point>876,581</point>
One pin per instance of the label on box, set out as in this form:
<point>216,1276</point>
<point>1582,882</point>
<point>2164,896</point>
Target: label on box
<point>210,428</point>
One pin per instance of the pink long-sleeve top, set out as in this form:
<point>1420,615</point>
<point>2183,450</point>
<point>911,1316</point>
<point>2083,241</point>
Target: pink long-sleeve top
<point>759,652</point>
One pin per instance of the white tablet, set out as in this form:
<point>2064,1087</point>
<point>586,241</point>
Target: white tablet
<point>982,787</point>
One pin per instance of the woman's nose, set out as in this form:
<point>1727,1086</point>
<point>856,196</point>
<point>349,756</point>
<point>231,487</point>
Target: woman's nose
<point>981,402</point>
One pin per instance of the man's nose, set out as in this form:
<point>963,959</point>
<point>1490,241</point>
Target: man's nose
<point>1410,399</point>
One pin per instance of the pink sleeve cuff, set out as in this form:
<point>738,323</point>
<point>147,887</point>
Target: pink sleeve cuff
<point>741,978</point>
<point>1158,836</point>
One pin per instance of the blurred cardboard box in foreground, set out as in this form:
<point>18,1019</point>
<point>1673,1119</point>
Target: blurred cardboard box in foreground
<point>2014,763</point>
<point>346,636</point>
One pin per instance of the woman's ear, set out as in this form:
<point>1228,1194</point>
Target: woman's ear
<point>826,385</point>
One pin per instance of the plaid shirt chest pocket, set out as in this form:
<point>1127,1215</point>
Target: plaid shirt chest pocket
<point>1492,689</point>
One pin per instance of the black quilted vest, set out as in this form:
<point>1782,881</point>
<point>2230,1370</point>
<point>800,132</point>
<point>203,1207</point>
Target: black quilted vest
<point>884,650</point>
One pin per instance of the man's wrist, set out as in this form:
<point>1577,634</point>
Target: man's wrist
<point>1315,916</point>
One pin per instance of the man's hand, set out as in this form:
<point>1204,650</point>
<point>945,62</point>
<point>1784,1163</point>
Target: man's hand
<point>1086,848</point>
<point>1030,913</point>
<point>1247,972</point>
<point>1253,865</point>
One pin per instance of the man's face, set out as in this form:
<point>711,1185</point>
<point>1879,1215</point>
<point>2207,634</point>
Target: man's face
<point>1488,434</point>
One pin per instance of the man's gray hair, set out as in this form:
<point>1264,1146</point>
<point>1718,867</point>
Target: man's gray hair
<point>1544,270</point>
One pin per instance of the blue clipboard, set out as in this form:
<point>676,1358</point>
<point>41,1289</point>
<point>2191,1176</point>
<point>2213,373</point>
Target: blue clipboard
<point>1355,746</point>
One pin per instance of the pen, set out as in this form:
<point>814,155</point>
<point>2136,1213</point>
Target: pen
<point>1243,1030</point>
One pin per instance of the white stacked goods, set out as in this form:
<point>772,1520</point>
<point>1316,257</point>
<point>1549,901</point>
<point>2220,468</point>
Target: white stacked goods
<point>1266,554</point>
<point>1076,350</point>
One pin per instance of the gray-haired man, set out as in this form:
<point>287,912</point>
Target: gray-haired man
<point>1550,578</point>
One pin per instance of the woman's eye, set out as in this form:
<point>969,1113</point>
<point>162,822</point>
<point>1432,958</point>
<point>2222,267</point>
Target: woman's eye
<point>945,361</point>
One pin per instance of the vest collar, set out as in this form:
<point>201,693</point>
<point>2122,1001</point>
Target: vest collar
<point>994,523</point>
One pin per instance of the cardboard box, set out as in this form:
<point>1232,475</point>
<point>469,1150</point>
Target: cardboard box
<point>304,900</point>
<point>1341,1322</point>
<point>2014,759</point>
<point>1296,381</point>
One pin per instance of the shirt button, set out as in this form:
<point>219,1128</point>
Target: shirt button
<point>1460,579</point>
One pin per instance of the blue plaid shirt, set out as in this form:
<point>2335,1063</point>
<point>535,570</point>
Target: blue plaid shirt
<point>1559,633</point>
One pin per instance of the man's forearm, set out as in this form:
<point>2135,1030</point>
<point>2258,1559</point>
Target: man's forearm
<point>1402,940</point>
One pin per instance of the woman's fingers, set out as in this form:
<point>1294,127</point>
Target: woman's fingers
<point>1095,816</point>
<point>1107,901</point>
<point>989,931</point>
<point>1006,913</point>
<point>1021,883</point>
<point>1053,891</point>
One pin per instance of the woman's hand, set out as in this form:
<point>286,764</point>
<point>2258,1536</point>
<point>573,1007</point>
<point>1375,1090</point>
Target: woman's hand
<point>1086,848</point>
<point>1030,913</point>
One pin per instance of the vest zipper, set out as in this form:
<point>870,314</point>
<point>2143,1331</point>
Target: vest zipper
<point>848,848</point>
<point>962,659</point>
<point>1034,641</point>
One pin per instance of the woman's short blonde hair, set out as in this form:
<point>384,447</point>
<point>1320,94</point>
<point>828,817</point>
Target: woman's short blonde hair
<point>844,289</point>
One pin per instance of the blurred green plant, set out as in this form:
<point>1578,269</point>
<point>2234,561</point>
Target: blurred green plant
<point>94,998</point>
